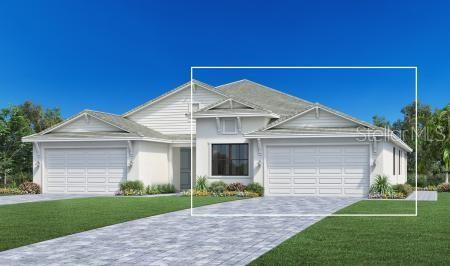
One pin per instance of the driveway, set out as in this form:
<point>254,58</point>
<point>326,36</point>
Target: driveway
<point>179,239</point>
<point>40,197</point>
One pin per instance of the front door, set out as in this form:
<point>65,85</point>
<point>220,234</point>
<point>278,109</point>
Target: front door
<point>185,168</point>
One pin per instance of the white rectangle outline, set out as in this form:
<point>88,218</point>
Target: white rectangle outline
<point>304,67</point>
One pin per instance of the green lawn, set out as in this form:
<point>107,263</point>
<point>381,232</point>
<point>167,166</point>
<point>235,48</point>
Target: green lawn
<point>26,223</point>
<point>372,240</point>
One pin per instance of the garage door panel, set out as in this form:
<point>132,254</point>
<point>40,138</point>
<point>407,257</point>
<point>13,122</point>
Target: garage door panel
<point>310,180</point>
<point>76,189</point>
<point>280,191</point>
<point>362,150</point>
<point>330,171</point>
<point>305,150</point>
<point>85,170</point>
<point>319,170</point>
<point>280,181</point>
<point>330,191</point>
<point>56,179</point>
<point>98,189</point>
<point>305,191</point>
<point>56,188</point>
<point>71,180</point>
<point>329,150</point>
<point>330,181</point>
<point>330,160</point>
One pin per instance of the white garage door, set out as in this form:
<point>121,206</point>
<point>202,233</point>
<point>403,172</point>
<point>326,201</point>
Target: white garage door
<point>318,170</point>
<point>84,170</point>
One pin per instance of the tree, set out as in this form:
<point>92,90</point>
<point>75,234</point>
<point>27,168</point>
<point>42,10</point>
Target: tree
<point>15,123</point>
<point>15,156</point>
<point>39,118</point>
<point>381,121</point>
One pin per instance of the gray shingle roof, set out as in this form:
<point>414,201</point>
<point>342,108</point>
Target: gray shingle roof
<point>268,98</point>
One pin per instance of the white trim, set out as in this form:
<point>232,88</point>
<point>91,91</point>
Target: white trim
<point>235,114</point>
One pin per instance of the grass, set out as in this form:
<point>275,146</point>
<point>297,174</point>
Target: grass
<point>423,240</point>
<point>26,223</point>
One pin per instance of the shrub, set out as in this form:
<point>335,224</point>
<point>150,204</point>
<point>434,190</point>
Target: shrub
<point>160,189</point>
<point>405,189</point>
<point>132,188</point>
<point>217,187</point>
<point>256,188</point>
<point>394,195</point>
<point>427,188</point>
<point>381,186</point>
<point>196,193</point>
<point>236,187</point>
<point>444,187</point>
<point>10,191</point>
<point>30,188</point>
<point>201,183</point>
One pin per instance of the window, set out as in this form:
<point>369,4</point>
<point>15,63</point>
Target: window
<point>229,126</point>
<point>393,161</point>
<point>194,107</point>
<point>399,162</point>
<point>230,159</point>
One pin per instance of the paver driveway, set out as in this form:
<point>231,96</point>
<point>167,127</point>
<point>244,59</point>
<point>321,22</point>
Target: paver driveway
<point>179,239</point>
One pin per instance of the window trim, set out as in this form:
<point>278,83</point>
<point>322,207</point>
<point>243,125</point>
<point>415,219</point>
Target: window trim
<point>229,145</point>
<point>223,126</point>
<point>399,162</point>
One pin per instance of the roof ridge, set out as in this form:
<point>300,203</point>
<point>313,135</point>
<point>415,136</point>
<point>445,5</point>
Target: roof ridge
<point>269,88</point>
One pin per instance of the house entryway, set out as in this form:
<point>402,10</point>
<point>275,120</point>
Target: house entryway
<point>185,168</point>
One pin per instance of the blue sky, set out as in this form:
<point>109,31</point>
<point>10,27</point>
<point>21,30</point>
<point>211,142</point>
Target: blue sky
<point>114,55</point>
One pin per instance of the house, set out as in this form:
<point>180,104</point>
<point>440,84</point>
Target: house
<point>242,132</point>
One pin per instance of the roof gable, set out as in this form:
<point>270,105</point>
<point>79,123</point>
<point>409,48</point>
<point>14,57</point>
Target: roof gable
<point>87,123</point>
<point>337,119</point>
<point>180,88</point>
<point>318,117</point>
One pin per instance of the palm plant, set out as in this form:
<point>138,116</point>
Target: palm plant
<point>201,183</point>
<point>381,186</point>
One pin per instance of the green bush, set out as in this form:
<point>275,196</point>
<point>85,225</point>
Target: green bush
<point>256,188</point>
<point>132,188</point>
<point>201,183</point>
<point>444,187</point>
<point>404,189</point>
<point>381,186</point>
<point>217,187</point>
<point>160,189</point>
<point>424,180</point>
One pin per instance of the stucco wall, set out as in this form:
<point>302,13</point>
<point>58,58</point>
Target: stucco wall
<point>152,163</point>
